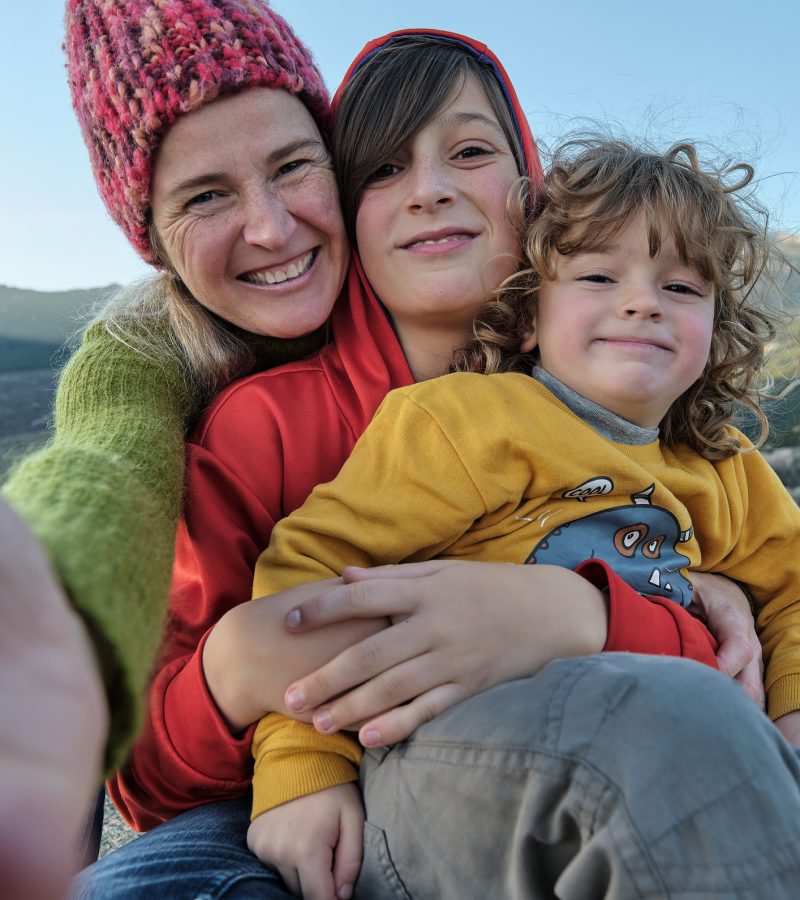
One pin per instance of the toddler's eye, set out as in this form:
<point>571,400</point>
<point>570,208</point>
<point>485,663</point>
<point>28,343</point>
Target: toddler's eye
<point>596,278</point>
<point>680,288</point>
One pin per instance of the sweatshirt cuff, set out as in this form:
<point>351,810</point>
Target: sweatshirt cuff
<point>196,729</point>
<point>651,625</point>
<point>293,760</point>
<point>783,696</point>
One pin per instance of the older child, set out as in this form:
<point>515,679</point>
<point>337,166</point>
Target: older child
<point>616,444</point>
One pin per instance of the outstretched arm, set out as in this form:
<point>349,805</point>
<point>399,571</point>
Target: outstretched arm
<point>53,718</point>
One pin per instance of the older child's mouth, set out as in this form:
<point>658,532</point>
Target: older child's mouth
<point>278,275</point>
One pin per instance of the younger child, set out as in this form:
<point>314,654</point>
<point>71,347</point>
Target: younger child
<point>616,443</point>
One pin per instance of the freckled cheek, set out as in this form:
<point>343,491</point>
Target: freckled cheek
<point>200,255</point>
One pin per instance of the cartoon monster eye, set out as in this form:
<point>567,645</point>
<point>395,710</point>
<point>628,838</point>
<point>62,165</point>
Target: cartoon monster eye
<point>628,538</point>
<point>652,549</point>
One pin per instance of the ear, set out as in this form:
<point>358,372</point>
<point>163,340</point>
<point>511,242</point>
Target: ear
<point>529,342</point>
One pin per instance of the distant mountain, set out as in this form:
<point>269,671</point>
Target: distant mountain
<point>34,325</point>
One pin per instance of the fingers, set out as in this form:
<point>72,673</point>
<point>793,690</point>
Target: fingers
<point>399,723</point>
<point>357,600</point>
<point>349,850</point>
<point>376,655</point>
<point>316,875</point>
<point>386,691</point>
<point>741,659</point>
<point>404,570</point>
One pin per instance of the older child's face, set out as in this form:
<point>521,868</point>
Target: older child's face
<point>432,229</point>
<point>626,331</point>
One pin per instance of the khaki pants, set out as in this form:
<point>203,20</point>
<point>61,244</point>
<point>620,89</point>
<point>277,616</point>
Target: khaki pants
<point>615,776</point>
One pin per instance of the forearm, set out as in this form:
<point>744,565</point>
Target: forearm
<point>103,498</point>
<point>250,658</point>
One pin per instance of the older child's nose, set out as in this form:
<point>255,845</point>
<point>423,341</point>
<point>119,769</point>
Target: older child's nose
<point>429,186</point>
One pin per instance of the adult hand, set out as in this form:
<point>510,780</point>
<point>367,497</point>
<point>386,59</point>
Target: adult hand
<point>54,721</point>
<point>724,607</point>
<point>314,842</point>
<point>458,628</point>
<point>248,660</point>
<point>789,727</point>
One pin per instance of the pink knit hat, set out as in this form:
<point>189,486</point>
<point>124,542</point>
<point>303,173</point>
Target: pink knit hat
<point>134,66</point>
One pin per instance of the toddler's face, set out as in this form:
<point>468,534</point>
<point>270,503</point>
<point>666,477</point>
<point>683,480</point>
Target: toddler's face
<point>625,330</point>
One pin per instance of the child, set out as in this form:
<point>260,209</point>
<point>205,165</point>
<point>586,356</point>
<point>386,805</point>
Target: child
<point>638,312</point>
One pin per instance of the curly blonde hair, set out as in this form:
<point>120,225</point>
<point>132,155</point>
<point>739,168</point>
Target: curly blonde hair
<point>593,189</point>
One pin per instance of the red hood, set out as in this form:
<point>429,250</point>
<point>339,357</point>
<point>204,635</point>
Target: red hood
<point>370,356</point>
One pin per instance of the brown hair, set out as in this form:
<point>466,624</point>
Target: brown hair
<point>593,189</point>
<point>393,95</point>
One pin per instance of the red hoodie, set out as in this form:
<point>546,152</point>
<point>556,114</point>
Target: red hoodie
<point>254,456</point>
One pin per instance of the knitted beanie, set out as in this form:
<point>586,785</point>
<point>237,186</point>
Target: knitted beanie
<point>134,66</point>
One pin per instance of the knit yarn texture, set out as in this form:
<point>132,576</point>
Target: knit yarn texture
<point>135,66</point>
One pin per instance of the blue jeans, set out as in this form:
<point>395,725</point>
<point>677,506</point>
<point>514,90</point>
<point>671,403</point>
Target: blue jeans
<point>616,776</point>
<point>200,855</point>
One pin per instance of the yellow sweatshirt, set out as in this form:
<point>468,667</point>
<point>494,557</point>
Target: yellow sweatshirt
<point>497,468</point>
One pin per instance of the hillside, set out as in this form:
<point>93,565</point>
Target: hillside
<point>35,324</point>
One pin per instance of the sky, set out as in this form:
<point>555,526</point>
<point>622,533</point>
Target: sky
<point>719,71</point>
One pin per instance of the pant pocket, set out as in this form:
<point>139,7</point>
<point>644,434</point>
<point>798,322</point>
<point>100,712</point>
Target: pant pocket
<point>378,878</point>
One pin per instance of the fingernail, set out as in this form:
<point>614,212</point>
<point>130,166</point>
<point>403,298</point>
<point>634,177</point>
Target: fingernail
<point>295,699</point>
<point>322,721</point>
<point>293,618</point>
<point>345,892</point>
<point>372,738</point>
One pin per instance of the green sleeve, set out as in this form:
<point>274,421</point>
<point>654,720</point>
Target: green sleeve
<point>103,496</point>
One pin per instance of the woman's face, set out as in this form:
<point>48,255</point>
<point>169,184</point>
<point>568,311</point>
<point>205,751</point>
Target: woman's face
<point>246,209</point>
<point>433,229</point>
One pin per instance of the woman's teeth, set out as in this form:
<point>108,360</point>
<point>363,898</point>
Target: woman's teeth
<point>276,276</point>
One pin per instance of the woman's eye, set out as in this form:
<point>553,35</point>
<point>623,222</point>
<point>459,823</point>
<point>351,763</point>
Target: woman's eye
<point>200,199</point>
<point>292,166</point>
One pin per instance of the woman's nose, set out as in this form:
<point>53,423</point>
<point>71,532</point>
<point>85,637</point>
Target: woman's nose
<point>268,221</point>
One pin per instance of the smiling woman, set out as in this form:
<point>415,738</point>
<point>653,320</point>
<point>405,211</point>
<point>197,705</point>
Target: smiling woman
<point>252,227</point>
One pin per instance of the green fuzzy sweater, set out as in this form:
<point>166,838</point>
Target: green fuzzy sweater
<point>103,496</point>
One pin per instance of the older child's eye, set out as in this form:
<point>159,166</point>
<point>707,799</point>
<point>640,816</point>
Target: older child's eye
<point>472,152</point>
<point>383,172</point>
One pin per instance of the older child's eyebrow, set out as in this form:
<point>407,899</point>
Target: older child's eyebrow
<point>468,118</point>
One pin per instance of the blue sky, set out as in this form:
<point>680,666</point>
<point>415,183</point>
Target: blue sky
<point>724,71</point>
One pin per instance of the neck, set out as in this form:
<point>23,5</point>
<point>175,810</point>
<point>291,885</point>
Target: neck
<point>429,350</point>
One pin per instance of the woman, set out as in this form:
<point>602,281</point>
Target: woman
<point>168,753</point>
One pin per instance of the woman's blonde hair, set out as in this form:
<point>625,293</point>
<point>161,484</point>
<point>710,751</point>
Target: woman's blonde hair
<point>594,188</point>
<point>159,318</point>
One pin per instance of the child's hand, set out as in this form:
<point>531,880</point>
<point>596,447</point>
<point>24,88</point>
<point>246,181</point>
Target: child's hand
<point>314,842</point>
